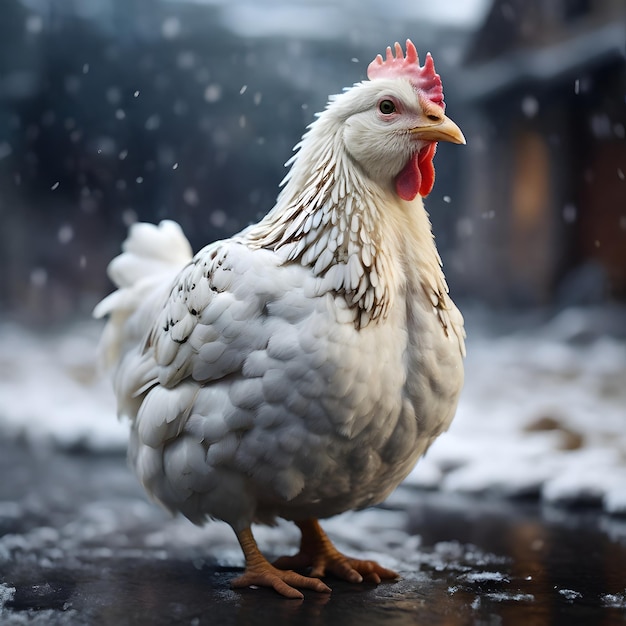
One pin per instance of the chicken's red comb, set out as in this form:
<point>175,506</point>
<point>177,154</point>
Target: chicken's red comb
<point>422,78</point>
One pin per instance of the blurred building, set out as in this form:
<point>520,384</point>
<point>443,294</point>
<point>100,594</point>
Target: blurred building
<point>118,110</point>
<point>546,177</point>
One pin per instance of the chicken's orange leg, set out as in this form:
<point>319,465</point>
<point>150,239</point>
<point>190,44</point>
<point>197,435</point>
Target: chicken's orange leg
<point>260,572</point>
<point>318,552</point>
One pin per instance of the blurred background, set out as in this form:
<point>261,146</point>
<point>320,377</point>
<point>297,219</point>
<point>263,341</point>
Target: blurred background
<point>113,111</point>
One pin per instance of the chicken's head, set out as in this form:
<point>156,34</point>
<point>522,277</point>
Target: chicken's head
<point>392,122</point>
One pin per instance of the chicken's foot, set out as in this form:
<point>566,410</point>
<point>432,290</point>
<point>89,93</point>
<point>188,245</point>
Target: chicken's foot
<point>262,573</point>
<point>318,553</point>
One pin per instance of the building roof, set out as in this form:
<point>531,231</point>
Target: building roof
<point>581,51</point>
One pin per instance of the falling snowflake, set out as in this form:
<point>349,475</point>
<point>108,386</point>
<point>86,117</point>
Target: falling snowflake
<point>530,106</point>
<point>171,27</point>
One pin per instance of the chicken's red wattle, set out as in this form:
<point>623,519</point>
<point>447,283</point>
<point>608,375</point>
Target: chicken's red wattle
<point>418,175</point>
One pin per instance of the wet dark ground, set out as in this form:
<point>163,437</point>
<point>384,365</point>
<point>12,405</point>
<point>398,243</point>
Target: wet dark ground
<point>79,544</point>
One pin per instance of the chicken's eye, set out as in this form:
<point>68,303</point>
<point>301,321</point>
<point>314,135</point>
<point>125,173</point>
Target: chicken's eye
<point>387,107</point>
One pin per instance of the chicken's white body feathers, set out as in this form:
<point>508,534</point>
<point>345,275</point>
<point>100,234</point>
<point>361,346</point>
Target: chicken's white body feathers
<point>298,369</point>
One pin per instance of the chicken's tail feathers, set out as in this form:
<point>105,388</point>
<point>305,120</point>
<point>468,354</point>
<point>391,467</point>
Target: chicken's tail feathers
<point>148,253</point>
<point>151,258</point>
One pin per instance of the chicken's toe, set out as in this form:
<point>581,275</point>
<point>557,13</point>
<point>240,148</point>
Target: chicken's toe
<point>284,582</point>
<point>355,570</point>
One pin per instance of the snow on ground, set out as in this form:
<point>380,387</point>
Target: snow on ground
<point>51,389</point>
<point>543,411</point>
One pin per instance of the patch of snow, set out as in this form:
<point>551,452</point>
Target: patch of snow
<point>589,475</point>
<point>614,500</point>
<point>570,594</point>
<point>32,617</point>
<point>478,577</point>
<point>614,600</point>
<point>51,390</point>
<point>505,596</point>
<point>6,595</point>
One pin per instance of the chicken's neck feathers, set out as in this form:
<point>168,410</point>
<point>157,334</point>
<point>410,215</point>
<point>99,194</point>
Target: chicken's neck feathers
<point>362,240</point>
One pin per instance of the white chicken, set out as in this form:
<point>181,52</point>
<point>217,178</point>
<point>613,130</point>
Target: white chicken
<point>300,368</point>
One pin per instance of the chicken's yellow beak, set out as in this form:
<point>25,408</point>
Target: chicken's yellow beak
<point>442,129</point>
